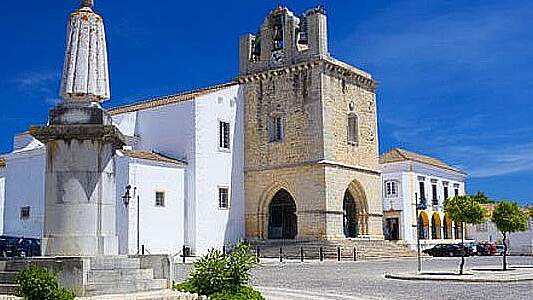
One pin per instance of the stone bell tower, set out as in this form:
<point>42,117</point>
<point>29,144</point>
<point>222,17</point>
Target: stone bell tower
<point>79,216</point>
<point>311,143</point>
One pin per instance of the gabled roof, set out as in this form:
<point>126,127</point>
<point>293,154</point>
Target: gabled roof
<point>170,99</point>
<point>398,155</point>
<point>153,156</point>
<point>2,162</point>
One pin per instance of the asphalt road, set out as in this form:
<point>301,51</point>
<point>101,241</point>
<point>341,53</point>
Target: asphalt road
<point>365,280</point>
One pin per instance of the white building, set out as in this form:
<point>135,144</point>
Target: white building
<point>409,178</point>
<point>520,243</point>
<point>183,161</point>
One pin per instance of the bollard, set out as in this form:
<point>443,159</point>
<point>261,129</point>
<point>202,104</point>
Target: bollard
<point>258,253</point>
<point>224,249</point>
<point>354,254</point>
<point>142,250</point>
<point>183,253</point>
<point>338,253</point>
<point>301,254</point>
<point>280,254</point>
<point>321,254</point>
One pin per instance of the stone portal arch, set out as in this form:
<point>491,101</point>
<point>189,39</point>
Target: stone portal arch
<point>355,211</point>
<point>423,226</point>
<point>436,226</point>
<point>282,219</point>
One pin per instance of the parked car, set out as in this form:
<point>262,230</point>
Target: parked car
<point>486,248</point>
<point>471,248</point>
<point>441,250</point>
<point>11,246</point>
<point>499,249</point>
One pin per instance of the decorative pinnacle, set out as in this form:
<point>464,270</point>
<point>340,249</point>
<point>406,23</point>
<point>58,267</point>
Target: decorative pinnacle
<point>87,3</point>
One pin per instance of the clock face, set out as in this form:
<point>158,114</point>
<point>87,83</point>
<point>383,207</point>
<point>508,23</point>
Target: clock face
<point>277,56</point>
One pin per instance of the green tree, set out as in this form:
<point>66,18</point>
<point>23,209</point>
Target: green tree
<point>531,212</point>
<point>481,198</point>
<point>464,210</point>
<point>508,218</point>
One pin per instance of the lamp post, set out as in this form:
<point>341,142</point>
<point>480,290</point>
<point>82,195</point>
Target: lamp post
<point>419,206</point>
<point>126,200</point>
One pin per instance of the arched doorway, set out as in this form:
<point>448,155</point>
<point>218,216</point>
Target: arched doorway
<point>435,226</point>
<point>458,230</point>
<point>447,227</point>
<point>349,210</point>
<point>282,221</point>
<point>423,226</point>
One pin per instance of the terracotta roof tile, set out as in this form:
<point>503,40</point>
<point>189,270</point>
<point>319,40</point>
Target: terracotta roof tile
<point>170,99</point>
<point>397,155</point>
<point>152,156</point>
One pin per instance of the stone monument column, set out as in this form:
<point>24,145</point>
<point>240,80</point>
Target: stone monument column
<point>79,215</point>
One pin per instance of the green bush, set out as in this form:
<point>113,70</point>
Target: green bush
<point>36,283</point>
<point>219,273</point>
<point>241,293</point>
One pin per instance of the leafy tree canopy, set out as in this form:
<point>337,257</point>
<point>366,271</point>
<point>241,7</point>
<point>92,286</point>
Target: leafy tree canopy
<point>508,217</point>
<point>464,209</point>
<point>481,198</point>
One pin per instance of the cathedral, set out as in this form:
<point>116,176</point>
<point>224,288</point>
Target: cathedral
<point>287,150</point>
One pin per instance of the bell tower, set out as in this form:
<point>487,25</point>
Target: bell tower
<point>310,134</point>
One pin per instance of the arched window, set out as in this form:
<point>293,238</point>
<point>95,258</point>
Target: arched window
<point>353,129</point>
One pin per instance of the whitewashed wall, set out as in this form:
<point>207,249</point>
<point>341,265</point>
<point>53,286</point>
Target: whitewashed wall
<point>24,186</point>
<point>520,243</point>
<point>216,168</point>
<point>2,197</point>
<point>161,228</point>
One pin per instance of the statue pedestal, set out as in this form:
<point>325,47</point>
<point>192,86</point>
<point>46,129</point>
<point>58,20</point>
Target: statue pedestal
<point>80,188</point>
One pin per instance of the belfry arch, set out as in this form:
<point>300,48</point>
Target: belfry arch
<point>355,211</point>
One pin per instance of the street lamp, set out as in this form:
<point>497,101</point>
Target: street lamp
<point>127,197</point>
<point>419,206</point>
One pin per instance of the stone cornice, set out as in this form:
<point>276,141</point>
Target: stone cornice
<point>106,133</point>
<point>315,163</point>
<point>360,78</point>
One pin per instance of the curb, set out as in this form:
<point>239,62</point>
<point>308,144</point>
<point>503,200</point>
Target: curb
<point>454,279</point>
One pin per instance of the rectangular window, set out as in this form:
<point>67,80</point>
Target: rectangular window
<point>391,188</point>
<point>422,191</point>
<point>25,213</point>
<point>353,130</point>
<point>223,198</point>
<point>434,198</point>
<point>446,193</point>
<point>224,135</point>
<point>275,131</point>
<point>456,192</point>
<point>160,199</point>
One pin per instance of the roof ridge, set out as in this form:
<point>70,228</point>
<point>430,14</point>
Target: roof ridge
<point>188,95</point>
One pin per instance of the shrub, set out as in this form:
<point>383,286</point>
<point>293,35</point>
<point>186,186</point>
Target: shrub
<point>241,293</point>
<point>36,283</point>
<point>219,273</point>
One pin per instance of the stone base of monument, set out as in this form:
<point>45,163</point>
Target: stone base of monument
<point>93,276</point>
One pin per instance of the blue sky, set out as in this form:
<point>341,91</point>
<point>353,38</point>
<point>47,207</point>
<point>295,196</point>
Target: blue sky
<point>456,79</point>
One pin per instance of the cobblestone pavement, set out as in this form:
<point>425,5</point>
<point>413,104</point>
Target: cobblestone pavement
<point>365,280</point>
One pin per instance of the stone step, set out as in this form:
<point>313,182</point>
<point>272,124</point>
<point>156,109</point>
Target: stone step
<point>106,276</point>
<point>8,289</point>
<point>122,287</point>
<point>114,263</point>
<point>7,276</point>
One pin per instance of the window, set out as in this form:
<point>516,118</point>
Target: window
<point>456,192</point>
<point>275,132</point>
<point>223,198</point>
<point>160,199</point>
<point>422,190</point>
<point>224,135</point>
<point>446,193</point>
<point>391,188</point>
<point>353,129</point>
<point>25,213</point>
<point>481,227</point>
<point>434,198</point>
